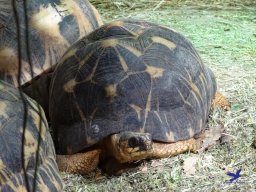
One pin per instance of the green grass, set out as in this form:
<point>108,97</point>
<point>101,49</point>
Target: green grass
<point>226,41</point>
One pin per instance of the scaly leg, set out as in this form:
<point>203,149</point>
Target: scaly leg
<point>203,141</point>
<point>163,150</point>
<point>79,163</point>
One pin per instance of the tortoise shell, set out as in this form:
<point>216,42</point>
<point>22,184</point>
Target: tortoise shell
<point>53,25</point>
<point>12,177</point>
<point>129,75</point>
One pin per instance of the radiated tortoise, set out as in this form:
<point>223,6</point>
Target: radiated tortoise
<point>132,90</point>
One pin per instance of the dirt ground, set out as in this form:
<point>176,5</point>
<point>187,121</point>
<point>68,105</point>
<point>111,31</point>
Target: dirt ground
<point>225,38</point>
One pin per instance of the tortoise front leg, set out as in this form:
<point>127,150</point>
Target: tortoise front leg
<point>205,140</point>
<point>79,163</point>
<point>220,101</point>
<point>164,150</point>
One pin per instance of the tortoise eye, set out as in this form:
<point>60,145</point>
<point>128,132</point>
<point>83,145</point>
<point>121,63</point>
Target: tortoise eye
<point>133,142</point>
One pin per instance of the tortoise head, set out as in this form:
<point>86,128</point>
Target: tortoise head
<point>131,146</point>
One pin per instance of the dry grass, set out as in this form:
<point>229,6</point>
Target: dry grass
<point>226,40</point>
<point>123,5</point>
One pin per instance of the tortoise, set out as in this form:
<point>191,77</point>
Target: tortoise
<point>130,90</point>
<point>12,176</point>
<point>53,26</point>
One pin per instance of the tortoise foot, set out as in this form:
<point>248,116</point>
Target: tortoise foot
<point>80,163</point>
<point>220,101</point>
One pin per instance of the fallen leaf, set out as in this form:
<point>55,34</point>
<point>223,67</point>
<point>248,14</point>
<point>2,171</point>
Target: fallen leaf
<point>211,137</point>
<point>226,139</point>
<point>156,163</point>
<point>206,161</point>
<point>190,165</point>
<point>144,169</point>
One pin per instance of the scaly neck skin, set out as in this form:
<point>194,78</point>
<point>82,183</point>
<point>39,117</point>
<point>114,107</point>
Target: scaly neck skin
<point>109,148</point>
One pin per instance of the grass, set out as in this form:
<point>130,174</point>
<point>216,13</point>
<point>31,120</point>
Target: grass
<point>226,40</point>
<point>123,5</point>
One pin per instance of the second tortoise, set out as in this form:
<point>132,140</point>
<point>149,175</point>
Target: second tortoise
<point>132,90</point>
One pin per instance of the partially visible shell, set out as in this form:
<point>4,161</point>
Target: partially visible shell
<point>53,27</point>
<point>12,176</point>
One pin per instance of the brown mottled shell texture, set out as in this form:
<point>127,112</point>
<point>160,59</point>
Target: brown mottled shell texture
<point>129,75</point>
<point>53,25</point>
<point>12,176</point>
